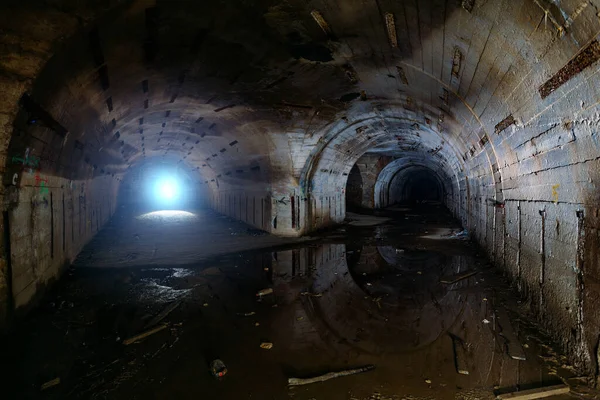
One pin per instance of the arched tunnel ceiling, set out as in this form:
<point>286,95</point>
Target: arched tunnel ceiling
<point>238,89</point>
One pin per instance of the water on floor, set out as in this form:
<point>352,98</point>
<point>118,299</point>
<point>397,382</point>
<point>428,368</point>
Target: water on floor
<point>406,297</point>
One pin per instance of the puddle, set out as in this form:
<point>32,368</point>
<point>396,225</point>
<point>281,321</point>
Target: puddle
<point>362,296</point>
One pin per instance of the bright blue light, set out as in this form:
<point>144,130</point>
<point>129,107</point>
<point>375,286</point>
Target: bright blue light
<point>166,190</point>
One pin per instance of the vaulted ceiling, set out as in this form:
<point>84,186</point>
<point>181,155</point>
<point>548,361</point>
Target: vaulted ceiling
<point>242,91</point>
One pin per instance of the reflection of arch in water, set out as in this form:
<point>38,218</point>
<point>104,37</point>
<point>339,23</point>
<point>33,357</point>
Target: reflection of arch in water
<point>347,310</point>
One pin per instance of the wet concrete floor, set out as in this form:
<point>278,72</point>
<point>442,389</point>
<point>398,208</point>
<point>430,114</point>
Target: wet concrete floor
<point>388,295</point>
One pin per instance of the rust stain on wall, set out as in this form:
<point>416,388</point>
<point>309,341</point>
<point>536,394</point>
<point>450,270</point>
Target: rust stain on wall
<point>402,75</point>
<point>456,61</point>
<point>505,123</point>
<point>555,192</point>
<point>391,29</point>
<point>584,59</point>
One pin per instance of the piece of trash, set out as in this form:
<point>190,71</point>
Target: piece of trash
<point>368,284</point>
<point>256,324</point>
<point>264,292</point>
<point>330,375</point>
<point>266,269</point>
<point>205,304</point>
<point>311,294</point>
<point>526,345</point>
<point>144,334</point>
<point>266,345</point>
<point>464,234</point>
<point>486,321</point>
<point>162,315</point>
<point>506,331</point>
<point>460,354</point>
<point>427,380</point>
<point>51,383</point>
<point>458,277</point>
<point>218,368</point>
<point>419,272</point>
<point>538,393</point>
<point>398,251</point>
<point>248,314</point>
<point>484,299</point>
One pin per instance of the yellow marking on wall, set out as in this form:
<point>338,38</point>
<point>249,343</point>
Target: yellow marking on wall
<point>391,29</point>
<point>555,192</point>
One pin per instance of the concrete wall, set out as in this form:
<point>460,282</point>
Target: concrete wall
<point>50,219</point>
<point>253,208</point>
<point>369,166</point>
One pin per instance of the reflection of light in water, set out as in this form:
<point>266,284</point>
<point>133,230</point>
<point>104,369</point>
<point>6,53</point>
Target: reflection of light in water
<point>150,290</point>
<point>167,214</point>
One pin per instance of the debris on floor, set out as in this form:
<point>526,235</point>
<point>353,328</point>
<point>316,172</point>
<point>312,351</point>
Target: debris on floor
<point>400,323</point>
<point>50,383</point>
<point>144,334</point>
<point>457,277</point>
<point>506,331</point>
<point>464,235</point>
<point>266,345</point>
<point>162,315</point>
<point>328,376</point>
<point>312,294</point>
<point>538,393</point>
<point>264,292</point>
<point>460,355</point>
<point>218,368</point>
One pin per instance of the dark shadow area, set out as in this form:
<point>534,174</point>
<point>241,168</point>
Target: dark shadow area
<point>354,189</point>
<point>417,186</point>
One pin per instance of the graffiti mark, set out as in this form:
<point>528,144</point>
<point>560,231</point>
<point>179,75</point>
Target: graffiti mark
<point>43,188</point>
<point>42,183</point>
<point>15,178</point>
<point>555,192</point>
<point>27,160</point>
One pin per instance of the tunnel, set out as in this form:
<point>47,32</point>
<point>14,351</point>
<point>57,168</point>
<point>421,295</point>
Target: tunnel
<point>373,179</point>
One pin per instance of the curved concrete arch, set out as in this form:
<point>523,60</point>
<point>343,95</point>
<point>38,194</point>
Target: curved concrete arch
<point>324,175</point>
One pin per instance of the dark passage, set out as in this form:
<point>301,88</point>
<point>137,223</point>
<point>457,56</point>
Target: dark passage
<point>418,186</point>
<point>409,296</point>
